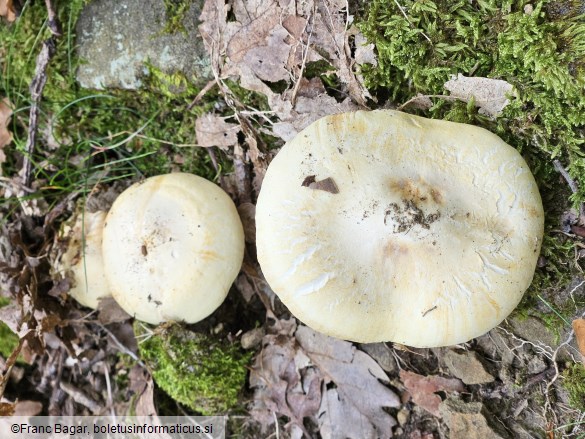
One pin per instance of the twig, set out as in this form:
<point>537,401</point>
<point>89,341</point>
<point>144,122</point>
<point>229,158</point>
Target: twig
<point>80,397</point>
<point>36,90</point>
<point>54,25</point>
<point>419,97</point>
<point>202,93</point>
<point>109,390</point>
<point>304,62</point>
<point>122,347</point>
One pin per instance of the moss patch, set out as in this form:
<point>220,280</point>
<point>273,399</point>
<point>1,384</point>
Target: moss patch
<point>574,383</point>
<point>200,371</point>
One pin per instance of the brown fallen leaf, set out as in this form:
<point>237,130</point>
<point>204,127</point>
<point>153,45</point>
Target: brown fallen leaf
<point>7,10</point>
<point>283,383</point>
<point>423,389</point>
<point>273,41</point>
<point>110,312</point>
<point>5,116</point>
<point>7,408</point>
<point>327,184</point>
<point>579,328</point>
<point>28,408</point>
<point>247,212</point>
<point>213,130</point>
<point>353,394</point>
<point>490,95</point>
<point>578,230</point>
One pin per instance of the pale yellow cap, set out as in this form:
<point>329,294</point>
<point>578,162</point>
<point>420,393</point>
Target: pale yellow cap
<point>383,226</point>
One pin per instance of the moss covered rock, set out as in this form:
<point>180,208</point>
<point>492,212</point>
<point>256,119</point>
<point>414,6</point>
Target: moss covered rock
<point>201,371</point>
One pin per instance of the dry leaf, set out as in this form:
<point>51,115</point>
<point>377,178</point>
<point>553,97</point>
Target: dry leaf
<point>7,10</point>
<point>273,41</point>
<point>579,328</point>
<point>28,408</point>
<point>490,95</point>
<point>7,408</point>
<point>364,51</point>
<point>110,312</point>
<point>353,406</point>
<point>423,389</point>
<point>5,115</point>
<point>215,131</point>
<point>247,212</point>
<point>283,382</point>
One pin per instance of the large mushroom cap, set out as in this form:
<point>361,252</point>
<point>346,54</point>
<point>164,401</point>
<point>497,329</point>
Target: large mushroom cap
<point>383,226</point>
<point>172,246</point>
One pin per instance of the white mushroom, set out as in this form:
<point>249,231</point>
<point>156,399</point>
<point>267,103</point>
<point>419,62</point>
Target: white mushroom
<point>81,262</point>
<point>173,244</point>
<point>383,226</point>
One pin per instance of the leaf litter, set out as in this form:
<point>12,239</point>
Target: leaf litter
<point>316,380</point>
<point>316,384</point>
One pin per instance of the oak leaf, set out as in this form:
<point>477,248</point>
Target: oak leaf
<point>354,395</point>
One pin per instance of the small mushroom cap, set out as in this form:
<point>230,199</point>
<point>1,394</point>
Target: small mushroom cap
<point>173,244</point>
<point>84,266</point>
<point>383,226</point>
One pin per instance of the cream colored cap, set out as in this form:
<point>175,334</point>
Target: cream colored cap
<point>383,226</point>
<point>82,264</point>
<point>173,244</point>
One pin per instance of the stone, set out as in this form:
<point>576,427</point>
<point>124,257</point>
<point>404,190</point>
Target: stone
<point>467,367</point>
<point>118,41</point>
<point>535,331</point>
<point>467,420</point>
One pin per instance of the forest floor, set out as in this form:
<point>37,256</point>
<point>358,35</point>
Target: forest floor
<point>273,68</point>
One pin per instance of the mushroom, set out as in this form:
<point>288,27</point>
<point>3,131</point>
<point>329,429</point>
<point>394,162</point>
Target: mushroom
<point>383,226</point>
<point>172,246</point>
<point>81,261</point>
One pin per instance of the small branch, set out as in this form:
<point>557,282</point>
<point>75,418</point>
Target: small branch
<point>36,90</point>
<point>53,23</point>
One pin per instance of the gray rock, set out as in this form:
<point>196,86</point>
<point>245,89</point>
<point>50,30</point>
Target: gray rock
<point>536,332</point>
<point>467,367</point>
<point>118,39</point>
<point>467,421</point>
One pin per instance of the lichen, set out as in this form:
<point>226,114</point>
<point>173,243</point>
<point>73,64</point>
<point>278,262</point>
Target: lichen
<point>200,371</point>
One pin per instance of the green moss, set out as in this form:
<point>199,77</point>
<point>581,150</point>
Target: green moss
<point>176,10</point>
<point>199,371</point>
<point>574,383</point>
